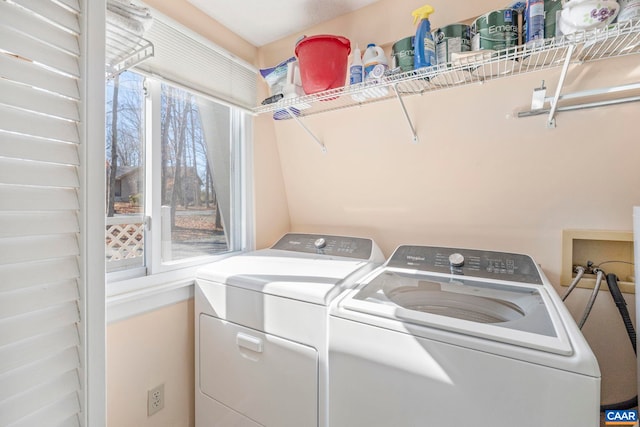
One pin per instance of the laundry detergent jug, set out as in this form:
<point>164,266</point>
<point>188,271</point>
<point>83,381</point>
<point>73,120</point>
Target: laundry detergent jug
<point>372,56</point>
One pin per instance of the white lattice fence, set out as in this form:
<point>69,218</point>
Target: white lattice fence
<point>125,241</point>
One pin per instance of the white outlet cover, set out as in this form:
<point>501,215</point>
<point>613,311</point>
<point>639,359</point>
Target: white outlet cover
<point>155,399</point>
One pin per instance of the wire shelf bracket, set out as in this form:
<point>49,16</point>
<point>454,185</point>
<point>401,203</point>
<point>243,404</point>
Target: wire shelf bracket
<point>306,129</point>
<point>406,114</point>
<point>124,49</point>
<point>626,88</point>
<point>551,120</point>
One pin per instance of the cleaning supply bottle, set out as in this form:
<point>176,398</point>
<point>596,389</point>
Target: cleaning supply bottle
<point>534,23</point>
<point>356,70</point>
<point>373,55</point>
<point>425,47</point>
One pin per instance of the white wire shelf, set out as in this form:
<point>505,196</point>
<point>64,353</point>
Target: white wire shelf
<point>613,41</point>
<point>124,49</point>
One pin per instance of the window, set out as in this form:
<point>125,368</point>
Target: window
<point>170,194</point>
<point>196,136</point>
<point>176,126</point>
<point>125,165</point>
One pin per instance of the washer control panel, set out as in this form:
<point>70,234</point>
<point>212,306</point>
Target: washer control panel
<point>468,262</point>
<point>350,247</point>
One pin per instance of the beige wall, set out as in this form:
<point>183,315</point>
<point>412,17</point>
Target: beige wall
<point>479,177</point>
<point>271,207</point>
<point>146,351</point>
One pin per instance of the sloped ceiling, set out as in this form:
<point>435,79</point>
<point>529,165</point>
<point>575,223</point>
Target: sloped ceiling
<point>261,22</point>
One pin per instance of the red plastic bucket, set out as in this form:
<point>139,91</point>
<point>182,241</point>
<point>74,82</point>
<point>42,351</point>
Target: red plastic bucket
<point>323,62</point>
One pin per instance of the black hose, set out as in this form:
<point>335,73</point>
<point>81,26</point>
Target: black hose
<point>627,404</point>
<point>618,298</point>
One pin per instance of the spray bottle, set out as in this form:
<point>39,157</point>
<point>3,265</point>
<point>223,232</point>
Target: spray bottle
<point>425,48</point>
<point>534,23</point>
<point>356,70</point>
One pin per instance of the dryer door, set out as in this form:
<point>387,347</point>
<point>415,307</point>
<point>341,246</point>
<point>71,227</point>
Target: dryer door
<point>267,379</point>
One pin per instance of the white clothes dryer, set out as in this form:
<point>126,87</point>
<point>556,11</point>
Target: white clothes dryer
<point>261,330</point>
<point>451,337</point>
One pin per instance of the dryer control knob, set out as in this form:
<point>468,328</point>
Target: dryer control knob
<point>456,259</point>
<point>320,243</point>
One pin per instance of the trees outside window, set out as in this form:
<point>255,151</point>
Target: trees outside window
<point>193,174</point>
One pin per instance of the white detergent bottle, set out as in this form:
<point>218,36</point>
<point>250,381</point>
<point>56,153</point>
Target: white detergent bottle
<point>373,56</point>
<point>356,70</point>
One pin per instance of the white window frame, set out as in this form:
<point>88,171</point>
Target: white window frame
<point>93,222</point>
<point>153,175</point>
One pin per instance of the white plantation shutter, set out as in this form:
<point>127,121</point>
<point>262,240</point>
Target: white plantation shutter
<point>42,335</point>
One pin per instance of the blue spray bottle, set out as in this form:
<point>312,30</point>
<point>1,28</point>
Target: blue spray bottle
<point>425,47</point>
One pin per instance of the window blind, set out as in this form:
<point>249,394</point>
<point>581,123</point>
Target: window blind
<point>40,279</point>
<point>183,57</point>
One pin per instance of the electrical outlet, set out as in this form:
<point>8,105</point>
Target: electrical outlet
<point>155,399</point>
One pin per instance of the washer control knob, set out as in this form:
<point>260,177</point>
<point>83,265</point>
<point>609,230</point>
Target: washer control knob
<point>456,259</point>
<point>320,243</point>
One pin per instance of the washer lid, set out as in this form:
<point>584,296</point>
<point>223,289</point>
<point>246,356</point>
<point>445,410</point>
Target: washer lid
<point>501,311</point>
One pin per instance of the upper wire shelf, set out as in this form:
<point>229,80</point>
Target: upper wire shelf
<point>477,66</point>
<point>124,49</point>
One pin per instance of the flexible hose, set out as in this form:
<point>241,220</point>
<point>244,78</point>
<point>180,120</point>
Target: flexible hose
<point>579,273</point>
<point>627,404</point>
<point>592,299</point>
<point>618,298</point>
<point>612,281</point>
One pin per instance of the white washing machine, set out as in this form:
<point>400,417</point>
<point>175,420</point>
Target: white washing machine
<point>261,330</point>
<point>452,337</point>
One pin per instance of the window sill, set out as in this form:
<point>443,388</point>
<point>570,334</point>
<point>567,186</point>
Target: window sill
<point>132,297</point>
